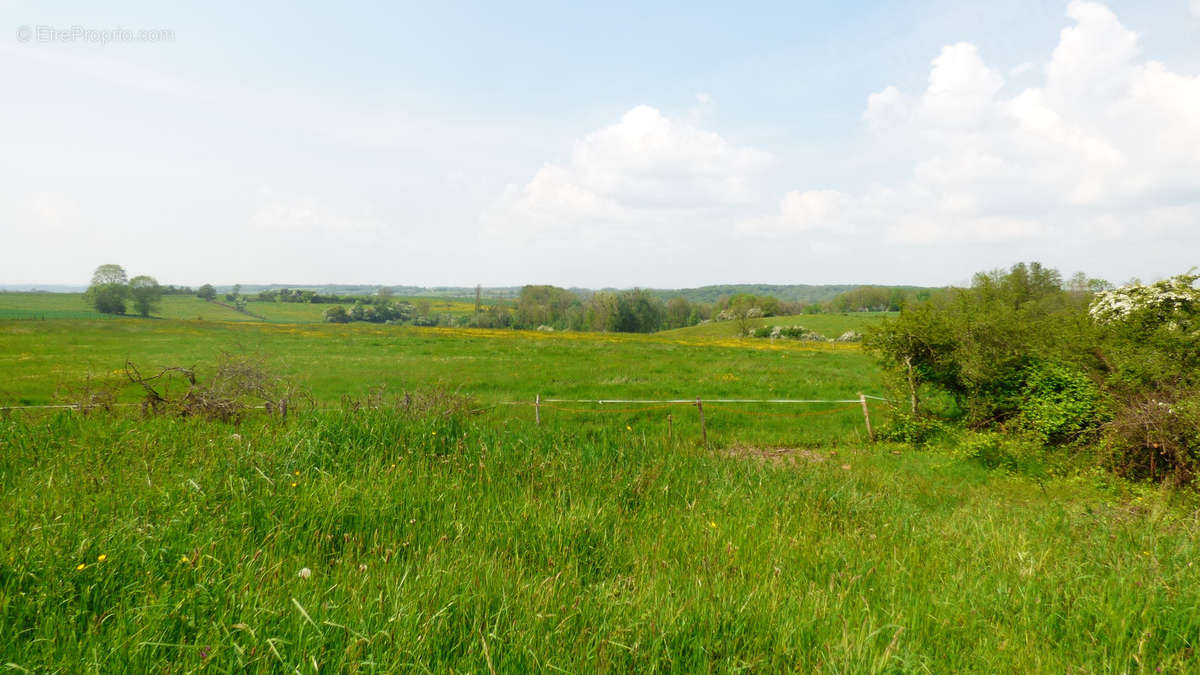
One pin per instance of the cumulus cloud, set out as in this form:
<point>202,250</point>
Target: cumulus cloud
<point>646,172</point>
<point>802,212</point>
<point>1106,140</point>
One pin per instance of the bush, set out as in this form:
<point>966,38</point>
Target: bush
<point>1155,435</point>
<point>337,314</point>
<point>914,429</point>
<point>999,451</point>
<point>1058,403</point>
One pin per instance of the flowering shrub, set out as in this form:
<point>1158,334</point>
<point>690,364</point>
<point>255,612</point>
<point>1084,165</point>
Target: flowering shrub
<point>1171,303</point>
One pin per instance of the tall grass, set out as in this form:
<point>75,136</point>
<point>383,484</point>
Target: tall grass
<point>481,542</point>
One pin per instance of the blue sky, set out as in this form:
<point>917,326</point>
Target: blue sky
<point>599,145</point>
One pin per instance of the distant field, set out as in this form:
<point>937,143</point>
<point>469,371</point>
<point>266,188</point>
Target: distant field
<point>15,305</point>
<point>829,325</point>
<point>72,306</point>
<point>40,362</point>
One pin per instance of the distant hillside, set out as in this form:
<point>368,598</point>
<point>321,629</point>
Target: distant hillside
<point>706,294</point>
<point>788,293</point>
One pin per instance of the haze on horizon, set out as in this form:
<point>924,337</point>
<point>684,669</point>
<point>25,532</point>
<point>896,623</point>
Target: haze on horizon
<point>598,146</point>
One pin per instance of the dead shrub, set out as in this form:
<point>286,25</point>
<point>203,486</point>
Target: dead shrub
<point>240,383</point>
<point>1155,436</point>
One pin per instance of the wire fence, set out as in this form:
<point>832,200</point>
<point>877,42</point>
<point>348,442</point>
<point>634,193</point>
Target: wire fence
<point>641,406</point>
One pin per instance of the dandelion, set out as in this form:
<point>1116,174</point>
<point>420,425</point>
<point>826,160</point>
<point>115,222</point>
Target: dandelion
<point>294,483</point>
<point>434,433</point>
<point>628,428</point>
<point>80,566</point>
<point>304,573</point>
<point>184,559</point>
<point>102,557</point>
<point>712,524</point>
<point>295,473</point>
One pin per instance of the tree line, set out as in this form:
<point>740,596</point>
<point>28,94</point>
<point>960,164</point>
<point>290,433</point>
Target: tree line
<point>542,307</point>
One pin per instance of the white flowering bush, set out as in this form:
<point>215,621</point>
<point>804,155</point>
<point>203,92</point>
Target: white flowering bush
<point>1170,302</point>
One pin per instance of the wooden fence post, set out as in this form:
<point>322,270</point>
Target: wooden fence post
<point>537,409</point>
<point>862,398</point>
<point>703,429</point>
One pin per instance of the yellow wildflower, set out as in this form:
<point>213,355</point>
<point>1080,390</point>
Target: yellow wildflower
<point>80,566</point>
<point>102,557</point>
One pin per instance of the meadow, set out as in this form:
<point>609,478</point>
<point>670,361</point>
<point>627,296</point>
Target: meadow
<point>828,325</point>
<point>24,305</point>
<point>461,536</point>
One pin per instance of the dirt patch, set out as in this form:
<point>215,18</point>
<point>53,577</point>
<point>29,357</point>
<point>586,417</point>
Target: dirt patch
<point>783,456</point>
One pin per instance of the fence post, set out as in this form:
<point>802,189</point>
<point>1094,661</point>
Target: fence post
<point>862,398</point>
<point>537,409</point>
<point>703,429</point>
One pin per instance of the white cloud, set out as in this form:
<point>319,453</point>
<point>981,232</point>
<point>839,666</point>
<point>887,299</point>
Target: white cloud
<point>290,213</point>
<point>1194,5</point>
<point>648,172</point>
<point>801,212</point>
<point>1107,138</point>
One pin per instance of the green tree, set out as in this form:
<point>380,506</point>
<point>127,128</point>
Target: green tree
<point>383,295</point>
<point>146,294</point>
<point>207,292</point>
<point>109,290</point>
<point>679,312</point>
<point>337,314</point>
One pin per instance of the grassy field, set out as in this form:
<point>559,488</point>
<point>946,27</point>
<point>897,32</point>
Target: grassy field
<point>467,538</point>
<point>14,305</point>
<point>829,325</point>
<point>382,541</point>
<point>44,362</point>
<point>72,306</point>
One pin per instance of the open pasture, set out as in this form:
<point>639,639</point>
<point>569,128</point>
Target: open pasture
<point>471,539</point>
<point>24,305</point>
<point>829,325</point>
<point>43,362</point>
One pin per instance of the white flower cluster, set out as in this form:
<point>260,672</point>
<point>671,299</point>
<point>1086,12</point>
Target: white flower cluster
<point>1162,300</point>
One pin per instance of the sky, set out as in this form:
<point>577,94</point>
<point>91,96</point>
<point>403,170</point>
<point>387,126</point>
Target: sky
<point>598,145</point>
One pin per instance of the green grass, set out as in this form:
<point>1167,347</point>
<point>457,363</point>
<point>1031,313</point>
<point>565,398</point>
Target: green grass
<point>829,325</point>
<point>20,305</point>
<point>474,543</point>
<point>42,362</point>
<point>72,306</point>
<point>447,541</point>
